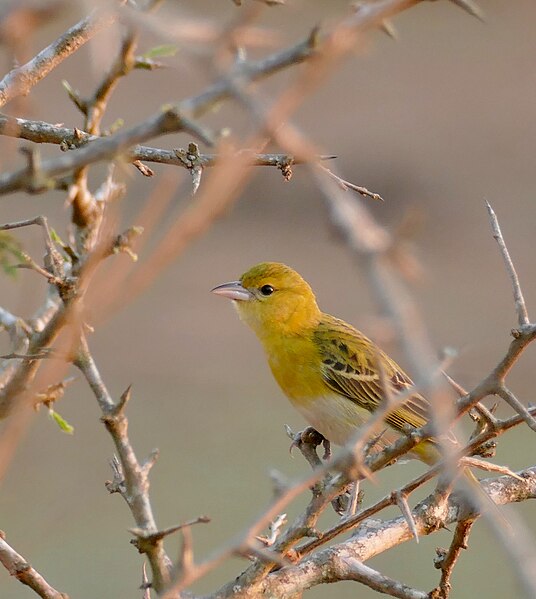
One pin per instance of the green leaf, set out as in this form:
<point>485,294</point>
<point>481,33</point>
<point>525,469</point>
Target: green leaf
<point>56,238</point>
<point>160,51</point>
<point>61,422</point>
<point>116,125</point>
<point>11,253</point>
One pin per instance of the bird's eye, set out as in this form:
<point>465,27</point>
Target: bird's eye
<point>267,290</point>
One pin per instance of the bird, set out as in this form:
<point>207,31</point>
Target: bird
<point>331,372</point>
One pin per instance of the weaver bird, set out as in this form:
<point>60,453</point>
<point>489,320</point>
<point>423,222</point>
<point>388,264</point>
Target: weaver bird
<point>328,369</point>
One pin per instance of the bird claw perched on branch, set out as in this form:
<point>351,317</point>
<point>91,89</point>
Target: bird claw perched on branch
<point>308,440</point>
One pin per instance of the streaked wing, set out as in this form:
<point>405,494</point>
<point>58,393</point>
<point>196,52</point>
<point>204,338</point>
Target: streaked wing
<point>349,367</point>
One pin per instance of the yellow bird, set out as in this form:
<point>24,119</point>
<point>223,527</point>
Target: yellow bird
<point>326,367</point>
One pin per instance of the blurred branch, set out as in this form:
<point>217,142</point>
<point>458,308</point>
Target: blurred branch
<point>362,235</point>
<point>369,242</point>
<point>171,119</point>
<point>179,117</point>
<point>24,370</point>
<point>18,567</point>
<point>20,80</point>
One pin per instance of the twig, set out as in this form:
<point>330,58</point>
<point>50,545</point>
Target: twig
<point>161,534</point>
<point>350,568</point>
<point>22,79</point>
<point>70,139</point>
<point>19,378</point>
<point>351,522</point>
<point>374,537</point>
<point>136,481</point>
<point>521,309</point>
<point>275,530</point>
<point>345,185</point>
<point>18,567</point>
<point>491,384</point>
<point>447,559</point>
<point>515,404</point>
<point>145,585</point>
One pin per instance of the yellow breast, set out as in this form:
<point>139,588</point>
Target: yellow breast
<point>295,367</point>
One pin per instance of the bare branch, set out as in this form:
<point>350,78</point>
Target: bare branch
<point>18,567</point>
<point>514,403</point>
<point>345,185</point>
<point>136,482</point>
<point>447,559</point>
<point>374,537</point>
<point>22,79</point>
<point>521,309</point>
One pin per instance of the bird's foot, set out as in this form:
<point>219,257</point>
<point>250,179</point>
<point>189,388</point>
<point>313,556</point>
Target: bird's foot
<point>311,437</point>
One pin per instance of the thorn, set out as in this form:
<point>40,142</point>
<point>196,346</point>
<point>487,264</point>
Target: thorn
<point>150,461</point>
<point>290,433</point>
<point>143,168</point>
<point>186,555</point>
<point>145,584</point>
<point>351,508</point>
<point>123,400</point>
<point>314,37</point>
<point>402,503</point>
<point>117,485</point>
<point>471,8</point>
<point>286,169</point>
<point>275,530</point>
<point>389,29</point>
<point>154,537</point>
<point>490,467</point>
<point>240,55</point>
<point>75,98</point>
<point>196,171</point>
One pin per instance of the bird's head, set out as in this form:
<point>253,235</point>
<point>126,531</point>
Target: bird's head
<point>273,299</point>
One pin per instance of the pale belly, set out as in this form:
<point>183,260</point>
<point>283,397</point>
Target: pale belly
<point>337,418</point>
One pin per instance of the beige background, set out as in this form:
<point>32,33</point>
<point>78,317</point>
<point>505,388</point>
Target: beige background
<point>435,122</point>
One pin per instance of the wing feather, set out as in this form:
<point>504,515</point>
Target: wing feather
<point>349,367</point>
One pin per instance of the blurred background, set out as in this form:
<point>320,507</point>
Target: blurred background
<point>435,122</point>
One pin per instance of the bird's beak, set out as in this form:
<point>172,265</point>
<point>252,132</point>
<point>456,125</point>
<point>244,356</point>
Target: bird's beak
<point>234,291</point>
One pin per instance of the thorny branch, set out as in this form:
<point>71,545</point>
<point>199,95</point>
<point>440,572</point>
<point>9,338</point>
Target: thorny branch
<point>271,573</point>
<point>69,139</point>
<point>375,537</point>
<point>446,560</point>
<point>521,308</point>
<point>136,475</point>
<point>171,119</point>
